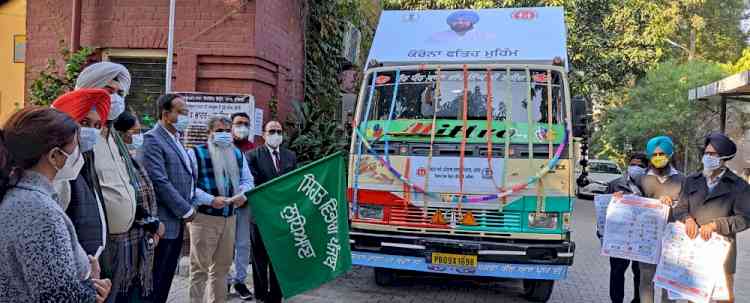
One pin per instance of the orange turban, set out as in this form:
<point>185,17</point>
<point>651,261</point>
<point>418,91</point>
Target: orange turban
<point>80,102</point>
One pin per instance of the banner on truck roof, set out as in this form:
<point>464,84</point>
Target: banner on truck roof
<point>529,35</point>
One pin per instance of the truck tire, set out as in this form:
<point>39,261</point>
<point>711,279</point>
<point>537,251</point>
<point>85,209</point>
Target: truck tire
<point>385,276</point>
<point>538,290</point>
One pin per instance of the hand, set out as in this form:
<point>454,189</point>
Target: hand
<point>219,202</point>
<point>162,230</point>
<point>666,200</point>
<point>618,195</point>
<point>239,201</point>
<point>96,270</point>
<point>691,228</point>
<point>102,289</point>
<point>707,230</point>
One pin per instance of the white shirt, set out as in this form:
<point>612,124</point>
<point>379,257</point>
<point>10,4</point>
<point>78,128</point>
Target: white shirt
<point>271,150</point>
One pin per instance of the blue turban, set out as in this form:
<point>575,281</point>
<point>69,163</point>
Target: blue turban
<point>467,15</point>
<point>663,142</point>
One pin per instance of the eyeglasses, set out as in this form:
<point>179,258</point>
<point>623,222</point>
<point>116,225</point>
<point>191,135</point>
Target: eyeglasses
<point>712,154</point>
<point>222,130</point>
<point>274,131</point>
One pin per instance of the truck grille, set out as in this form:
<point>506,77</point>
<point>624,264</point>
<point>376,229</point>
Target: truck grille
<point>484,217</point>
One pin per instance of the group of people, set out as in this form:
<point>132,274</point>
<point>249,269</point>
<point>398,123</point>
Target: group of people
<point>95,210</point>
<point>714,200</point>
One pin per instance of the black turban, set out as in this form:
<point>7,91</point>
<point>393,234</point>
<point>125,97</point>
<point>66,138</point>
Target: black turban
<point>723,145</point>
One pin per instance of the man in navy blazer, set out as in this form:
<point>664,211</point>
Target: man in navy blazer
<point>169,167</point>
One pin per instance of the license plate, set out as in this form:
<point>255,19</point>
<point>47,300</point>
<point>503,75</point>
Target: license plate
<point>454,260</point>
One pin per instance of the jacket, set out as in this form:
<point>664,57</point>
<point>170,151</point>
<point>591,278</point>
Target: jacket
<point>86,210</point>
<point>728,205</point>
<point>173,180</point>
<point>262,167</point>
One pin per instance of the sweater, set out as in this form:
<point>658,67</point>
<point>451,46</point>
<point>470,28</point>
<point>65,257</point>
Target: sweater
<point>40,257</point>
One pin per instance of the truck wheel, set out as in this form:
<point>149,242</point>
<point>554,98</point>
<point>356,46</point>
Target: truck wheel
<point>385,277</point>
<point>538,290</point>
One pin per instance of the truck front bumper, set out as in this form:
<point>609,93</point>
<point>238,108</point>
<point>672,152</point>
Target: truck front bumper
<point>548,260</point>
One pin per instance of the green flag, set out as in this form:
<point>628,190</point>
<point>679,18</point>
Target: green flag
<point>303,220</point>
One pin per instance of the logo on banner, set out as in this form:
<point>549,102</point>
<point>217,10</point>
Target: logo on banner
<point>524,14</point>
<point>421,171</point>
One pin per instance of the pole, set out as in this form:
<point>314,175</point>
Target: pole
<point>170,47</point>
<point>75,29</point>
<point>723,114</point>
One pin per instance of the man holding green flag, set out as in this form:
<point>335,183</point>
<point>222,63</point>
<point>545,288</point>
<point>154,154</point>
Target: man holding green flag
<point>303,219</point>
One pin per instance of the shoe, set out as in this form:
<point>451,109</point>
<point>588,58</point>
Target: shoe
<point>241,289</point>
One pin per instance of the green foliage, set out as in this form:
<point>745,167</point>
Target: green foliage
<point>273,108</point>
<point>658,105</point>
<point>315,133</point>
<point>742,64</point>
<point>50,84</point>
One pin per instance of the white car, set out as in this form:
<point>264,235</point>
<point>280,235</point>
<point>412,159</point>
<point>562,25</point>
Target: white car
<point>601,172</point>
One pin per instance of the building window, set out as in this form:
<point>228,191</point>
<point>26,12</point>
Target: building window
<point>19,48</point>
<point>148,75</point>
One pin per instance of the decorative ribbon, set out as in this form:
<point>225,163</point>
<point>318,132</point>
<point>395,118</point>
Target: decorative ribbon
<point>435,103</point>
<point>361,140</point>
<point>390,112</point>
<point>551,164</point>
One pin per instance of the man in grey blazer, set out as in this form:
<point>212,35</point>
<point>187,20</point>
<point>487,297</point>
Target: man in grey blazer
<point>169,167</point>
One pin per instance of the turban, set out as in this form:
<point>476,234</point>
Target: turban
<point>723,145</point>
<point>663,142</point>
<point>79,103</point>
<point>466,15</point>
<point>97,75</point>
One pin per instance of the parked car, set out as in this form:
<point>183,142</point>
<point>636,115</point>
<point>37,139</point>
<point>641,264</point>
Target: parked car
<point>601,172</point>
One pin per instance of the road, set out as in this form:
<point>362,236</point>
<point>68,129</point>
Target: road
<point>587,280</point>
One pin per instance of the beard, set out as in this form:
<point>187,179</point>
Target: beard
<point>226,168</point>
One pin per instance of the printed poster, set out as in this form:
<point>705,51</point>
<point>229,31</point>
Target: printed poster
<point>203,106</point>
<point>633,229</point>
<point>601,203</point>
<point>692,269</point>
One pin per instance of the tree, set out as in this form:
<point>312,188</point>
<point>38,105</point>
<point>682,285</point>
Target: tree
<point>658,105</point>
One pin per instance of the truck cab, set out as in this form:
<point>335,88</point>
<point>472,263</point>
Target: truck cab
<point>461,160</point>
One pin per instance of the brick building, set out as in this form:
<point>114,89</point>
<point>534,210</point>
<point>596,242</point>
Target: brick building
<point>221,46</point>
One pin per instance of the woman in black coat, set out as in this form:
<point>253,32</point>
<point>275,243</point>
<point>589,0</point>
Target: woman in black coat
<point>716,200</point>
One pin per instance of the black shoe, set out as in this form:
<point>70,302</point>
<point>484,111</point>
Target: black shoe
<point>241,289</point>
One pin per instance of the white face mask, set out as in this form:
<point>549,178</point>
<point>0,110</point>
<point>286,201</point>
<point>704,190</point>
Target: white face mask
<point>71,168</point>
<point>116,107</point>
<point>241,132</point>
<point>88,137</point>
<point>274,140</point>
<point>710,164</point>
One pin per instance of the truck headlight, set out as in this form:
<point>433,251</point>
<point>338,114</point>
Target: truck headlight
<point>543,220</point>
<point>372,212</point>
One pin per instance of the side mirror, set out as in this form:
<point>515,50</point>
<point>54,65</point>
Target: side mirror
<point>580,116</point>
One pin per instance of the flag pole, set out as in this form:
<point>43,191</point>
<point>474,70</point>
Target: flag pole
<point>170,47</point>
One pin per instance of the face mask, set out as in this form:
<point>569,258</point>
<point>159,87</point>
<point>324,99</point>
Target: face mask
<point>72,166</point>
<point>137,142</point>
<point>116,107</point>
<point>88,138</point>
<point>274,140</point>
<point>711,163</point>
<point>182,123</point>
<point>223,139</point>
<point>635,171</point>
<point>659,161</point>
<point>241,132</point>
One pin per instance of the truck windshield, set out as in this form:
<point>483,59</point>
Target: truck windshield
<point>420,95</point>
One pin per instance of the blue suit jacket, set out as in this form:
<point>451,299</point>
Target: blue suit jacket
<point>172,179</point>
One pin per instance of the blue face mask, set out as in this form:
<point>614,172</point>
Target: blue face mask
<point>88,138</point>
<point>635,171</point>
<point>182,123</point>
<point>137,142</point>
<point>711,163</point>
<point>223,139</point>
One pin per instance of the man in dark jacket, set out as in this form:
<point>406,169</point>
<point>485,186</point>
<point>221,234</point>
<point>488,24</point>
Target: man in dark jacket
<point>716,200</point>
<point>267,162</point>
<point>617,267</point>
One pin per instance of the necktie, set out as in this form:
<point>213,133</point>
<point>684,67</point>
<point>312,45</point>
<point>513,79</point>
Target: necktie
<point>276,160</point>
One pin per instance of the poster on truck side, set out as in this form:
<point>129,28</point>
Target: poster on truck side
<point>203,106</point>
<point>633,229</point>
<point>692,269</point>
